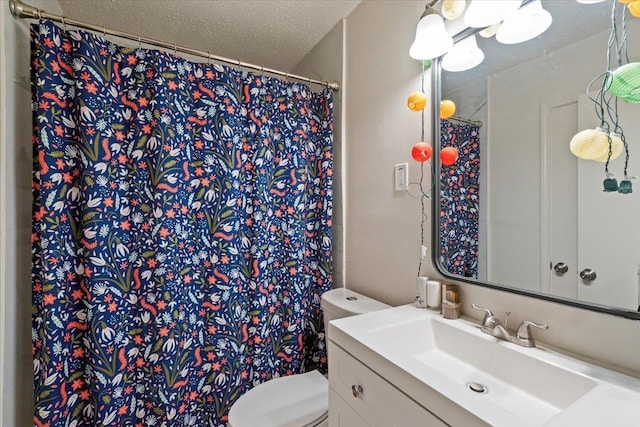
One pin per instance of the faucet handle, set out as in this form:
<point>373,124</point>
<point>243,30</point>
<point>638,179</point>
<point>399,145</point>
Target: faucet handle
<point>524,332</point>
<point>487,313</point>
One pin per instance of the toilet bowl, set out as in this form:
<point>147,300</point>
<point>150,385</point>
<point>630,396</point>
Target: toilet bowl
<point>300,400</point>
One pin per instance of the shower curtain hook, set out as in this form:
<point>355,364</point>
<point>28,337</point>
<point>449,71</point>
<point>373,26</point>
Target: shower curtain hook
<point>239,63</point>
<point>64,24</point>
<point>104,32</point>
<point>209,58</point>
<point>286,77</point>
<point>39,14</point>
<point>139,42</point>
<point>175,49</point>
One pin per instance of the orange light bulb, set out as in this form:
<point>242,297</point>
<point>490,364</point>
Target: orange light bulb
<point>447,108</point>
<point>421,152</point>
<point>417,101</point>
<point>448,156</point>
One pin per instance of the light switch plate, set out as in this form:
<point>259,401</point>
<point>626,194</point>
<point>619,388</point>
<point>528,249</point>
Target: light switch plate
<point>402,176</point>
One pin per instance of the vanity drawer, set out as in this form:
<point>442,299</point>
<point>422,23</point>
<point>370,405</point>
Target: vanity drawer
<point>341,414</point>
<point>376,401</point>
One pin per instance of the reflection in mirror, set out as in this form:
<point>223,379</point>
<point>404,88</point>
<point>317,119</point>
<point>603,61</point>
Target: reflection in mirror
<point>518,210</point>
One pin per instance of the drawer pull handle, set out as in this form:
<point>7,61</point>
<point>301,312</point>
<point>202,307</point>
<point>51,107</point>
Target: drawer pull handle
<point>356,390</point>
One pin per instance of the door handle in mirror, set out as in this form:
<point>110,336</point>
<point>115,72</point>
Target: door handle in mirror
<point>561,268</point>
<point>588,275</point>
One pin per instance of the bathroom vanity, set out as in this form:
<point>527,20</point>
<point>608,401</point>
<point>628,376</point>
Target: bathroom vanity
<point>407,366</point>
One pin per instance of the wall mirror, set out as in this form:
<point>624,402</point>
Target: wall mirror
<point>518,211</point>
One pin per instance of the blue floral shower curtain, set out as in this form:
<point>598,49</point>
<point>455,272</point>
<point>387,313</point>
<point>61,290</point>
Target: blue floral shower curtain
<point>181,232</point>
<point>460,199</point>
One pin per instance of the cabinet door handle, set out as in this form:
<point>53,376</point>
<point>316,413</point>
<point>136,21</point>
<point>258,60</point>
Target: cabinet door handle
<point>356,390</point>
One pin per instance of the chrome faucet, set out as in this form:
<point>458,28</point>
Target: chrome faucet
<point>492,325</point>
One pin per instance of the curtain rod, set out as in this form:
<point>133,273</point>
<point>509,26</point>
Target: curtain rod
<point>467,121</point>
<point>22,10</point>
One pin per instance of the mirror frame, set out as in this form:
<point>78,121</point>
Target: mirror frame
<point>436,96</point>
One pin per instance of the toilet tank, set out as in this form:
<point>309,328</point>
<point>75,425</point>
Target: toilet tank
<point>341,302</point>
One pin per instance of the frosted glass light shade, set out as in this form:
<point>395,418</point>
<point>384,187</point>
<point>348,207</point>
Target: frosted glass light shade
<point>527,23</point>
<point>432,39</point>
<point>617,147</point>
<point>484,13</point>
<point>464,55</point>
<point>589,144</point>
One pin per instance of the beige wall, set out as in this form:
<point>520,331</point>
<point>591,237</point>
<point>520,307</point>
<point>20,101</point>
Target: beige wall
<point>382,243</point>
<point>15,218</point>
<point>382,227</point>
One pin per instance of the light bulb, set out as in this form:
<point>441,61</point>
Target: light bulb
<point>447,109</point>
<point>624,81</point>
<point>589,144</point>
<point>634,8</point>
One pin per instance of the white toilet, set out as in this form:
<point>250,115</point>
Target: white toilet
<point>299,400</point>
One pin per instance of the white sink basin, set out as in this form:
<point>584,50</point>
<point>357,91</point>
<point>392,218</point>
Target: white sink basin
<point>522,386</point>
<point>528,388</point>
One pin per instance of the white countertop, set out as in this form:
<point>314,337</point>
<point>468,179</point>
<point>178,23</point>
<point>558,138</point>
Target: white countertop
<point>402,351</point>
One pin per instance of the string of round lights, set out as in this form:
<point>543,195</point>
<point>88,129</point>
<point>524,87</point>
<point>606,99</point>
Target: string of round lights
<point>422,151</point>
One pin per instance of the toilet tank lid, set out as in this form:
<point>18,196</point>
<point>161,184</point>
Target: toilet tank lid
<point>350,301</point>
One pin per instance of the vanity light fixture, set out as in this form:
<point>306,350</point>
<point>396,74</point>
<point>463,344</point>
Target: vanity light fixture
<point>464,55</point>
<point>528,22</point>
<point>484,13</point>
<point>432,39</point>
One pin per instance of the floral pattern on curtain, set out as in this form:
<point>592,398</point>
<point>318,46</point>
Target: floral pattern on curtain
<point>181,233</point>
<point>460,200</point>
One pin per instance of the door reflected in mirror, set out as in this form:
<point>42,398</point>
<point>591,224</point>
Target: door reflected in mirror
<point>518,210</point>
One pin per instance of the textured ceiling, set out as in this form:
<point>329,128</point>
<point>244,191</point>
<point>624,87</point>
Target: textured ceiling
<point>272,33</point>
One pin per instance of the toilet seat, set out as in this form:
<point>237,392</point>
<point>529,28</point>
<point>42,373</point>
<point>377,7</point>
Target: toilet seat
<point>293,401</point>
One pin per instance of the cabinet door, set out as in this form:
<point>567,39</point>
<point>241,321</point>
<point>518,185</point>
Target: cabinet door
<point>378,402</point>
<point>341,414</point>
